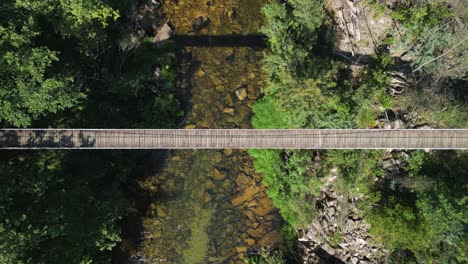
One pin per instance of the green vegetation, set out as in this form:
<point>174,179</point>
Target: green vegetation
<point>426,32</point>
<point>266,257</point>
<point>61,206</point>
<point>66,64</point>
<point>427,220</point>
<point>305,91</point>
<point>418,214</point>
<point>34,82</point>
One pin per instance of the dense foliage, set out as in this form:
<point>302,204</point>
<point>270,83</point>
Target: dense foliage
<point>34,82</point>
<point>423,217</point>
<point>65,64</point>
<point>60,207</point>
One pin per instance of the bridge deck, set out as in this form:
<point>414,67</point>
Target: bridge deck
<point>233,138</point>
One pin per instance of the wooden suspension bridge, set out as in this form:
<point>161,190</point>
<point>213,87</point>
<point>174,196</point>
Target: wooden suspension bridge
<point>233,139</point>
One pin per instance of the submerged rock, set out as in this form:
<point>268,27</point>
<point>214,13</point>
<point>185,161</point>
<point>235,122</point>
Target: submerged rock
<point>243,180</point>
<point>271,238</point>
<point>206,198</point>
<point>201,73</point>
<point>229,111</point>
<point>161,210</point>
<point>209,185</point>
<point>241,249</point>
<point>250,241</point>
<point>228,100</point>
<point>247,195</point>
<point>200,23</point>
<point>218,175</point>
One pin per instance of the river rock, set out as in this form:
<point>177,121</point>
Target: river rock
<point>209,185</point>
<point>200,23</point>
<point>241,249</point>
<point>264,206</point>
<point>229,111</point>
<point>252,92</point>
<point>250,215</point>
<point>161,210</point>
<point>271,238</point>
<point>247,195</point>
<point>201,73</point>
<point>218,175</point>
<point>242,180</point>
<point>241,94</point>
<point>206,197</point>
<point>220,88</point>
<point>218,156</point>
<point>228,100</point>
<point>256,232</point>
<point>227,184</point>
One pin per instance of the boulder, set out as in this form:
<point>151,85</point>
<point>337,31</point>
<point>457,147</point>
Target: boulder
<point>164,33</point>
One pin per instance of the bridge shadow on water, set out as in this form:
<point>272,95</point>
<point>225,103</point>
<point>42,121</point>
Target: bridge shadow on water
<point>233,40</point>
<point>260,41</point>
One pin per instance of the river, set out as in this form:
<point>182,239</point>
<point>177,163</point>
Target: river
<point>207,206</point>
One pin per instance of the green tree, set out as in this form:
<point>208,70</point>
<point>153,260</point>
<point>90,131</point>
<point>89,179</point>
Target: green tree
<point>429,222</point>
<point>59,207</point>
<point>28,88</point>
<point>36,79</point>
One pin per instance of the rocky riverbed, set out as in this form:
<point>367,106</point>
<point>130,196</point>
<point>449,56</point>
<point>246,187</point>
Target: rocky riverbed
<point>207,206</point>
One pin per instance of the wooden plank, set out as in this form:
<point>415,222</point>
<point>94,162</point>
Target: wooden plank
<point>234,138</point>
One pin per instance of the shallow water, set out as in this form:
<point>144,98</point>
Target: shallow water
<point>209,206</point>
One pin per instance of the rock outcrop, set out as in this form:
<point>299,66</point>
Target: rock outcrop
<point>338,234</point>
